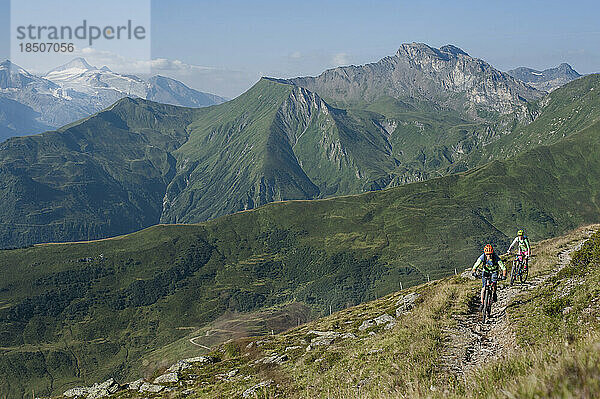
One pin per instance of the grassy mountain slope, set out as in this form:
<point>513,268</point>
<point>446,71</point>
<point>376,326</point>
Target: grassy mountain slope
<point>104,175</point>
<point>236,158</point>
<point>275,142</point>
<point>426,138</point>
<point>566,110</point>
<point>335,252</point>
<point>548,330</point>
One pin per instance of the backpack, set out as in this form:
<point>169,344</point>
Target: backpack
<point>494,263</point>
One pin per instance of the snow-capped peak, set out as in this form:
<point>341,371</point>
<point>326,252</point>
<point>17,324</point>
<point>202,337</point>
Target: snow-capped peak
<point>80,76</point>
<point>14,68</point>
<point>79,64</point>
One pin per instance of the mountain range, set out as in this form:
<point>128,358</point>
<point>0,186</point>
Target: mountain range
<point>76,90</point>
<point>107,86</point>
<point>172,165</point>
<point>278,141</point>
<point>548,79</point>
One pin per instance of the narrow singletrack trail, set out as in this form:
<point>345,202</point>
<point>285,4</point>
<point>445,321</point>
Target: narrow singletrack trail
<point>197,344</point>
<point>471,343</point>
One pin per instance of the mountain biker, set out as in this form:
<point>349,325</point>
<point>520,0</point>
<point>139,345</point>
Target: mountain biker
<point>490,262</point>
<point>523,247</point>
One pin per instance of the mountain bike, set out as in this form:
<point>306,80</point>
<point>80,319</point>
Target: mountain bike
<point>488,294</point>
<point>519,269</point>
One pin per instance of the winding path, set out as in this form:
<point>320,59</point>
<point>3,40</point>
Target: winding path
<point>197,344</point>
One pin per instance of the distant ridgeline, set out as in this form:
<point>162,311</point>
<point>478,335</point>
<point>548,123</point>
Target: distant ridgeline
<point>139,163</point>
<point>31,104</point>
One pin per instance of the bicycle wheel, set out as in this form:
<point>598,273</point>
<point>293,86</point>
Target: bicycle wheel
<point>513,272</point>
<point>524,273</point>
<point>486,305</point>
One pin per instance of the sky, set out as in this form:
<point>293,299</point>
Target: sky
<point>224,47</point>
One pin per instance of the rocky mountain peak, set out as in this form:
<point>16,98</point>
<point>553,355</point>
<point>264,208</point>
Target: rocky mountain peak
<point>422,50</point>
<point>424,72</point>
<point>451,49</point>
<point>5,64</point>
<point>548,79</point>
<point>14,68</point>
<point>568,70</point>
<point>415,50</point>
<point>14,77</point>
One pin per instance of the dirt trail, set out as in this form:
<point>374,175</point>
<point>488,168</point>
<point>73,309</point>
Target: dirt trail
<point>197,344</point>
<point>471,343</point>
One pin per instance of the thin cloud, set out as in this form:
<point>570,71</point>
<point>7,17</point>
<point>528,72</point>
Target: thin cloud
<point>119,63</point>
<point>340,59</point>
<point>228,83</point>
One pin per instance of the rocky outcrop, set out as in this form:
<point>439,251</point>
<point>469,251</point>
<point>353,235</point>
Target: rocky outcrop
<point>385,319</point>
<point>179,366</point>
<point>151,388</point>
<point>76,392</point>
<point>167,378</point>
<point>406,303</point>
<point>403,304</point>
<point>367,324</point>
<point>250,392</point>
<point>199,359</point>
<point>172,373</point>
<point>100,390</point>
<point>139,385</point>
<point>273,359</point>
<point>135,385</point>
<point>326,338</point>
<point>228,375</point>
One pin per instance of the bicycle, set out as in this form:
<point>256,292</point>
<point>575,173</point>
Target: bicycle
<point>519,269</point>
<point>488,294</point>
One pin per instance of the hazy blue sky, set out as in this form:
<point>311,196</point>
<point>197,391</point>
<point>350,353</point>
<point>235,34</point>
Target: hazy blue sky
<point>241,40</point>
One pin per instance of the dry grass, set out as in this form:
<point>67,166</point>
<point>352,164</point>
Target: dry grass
<point>554,356</point>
